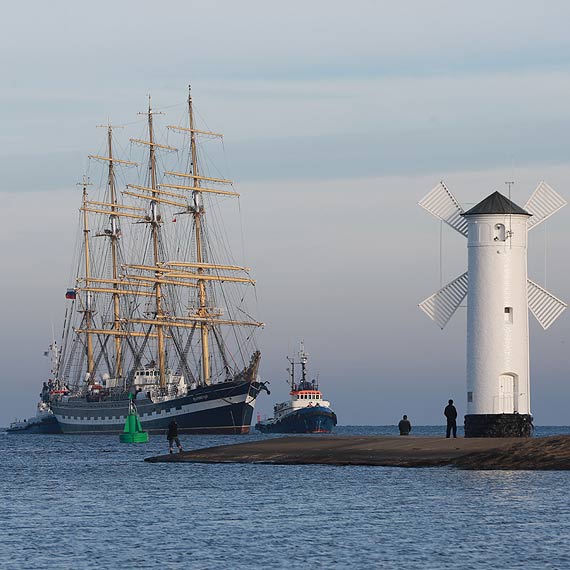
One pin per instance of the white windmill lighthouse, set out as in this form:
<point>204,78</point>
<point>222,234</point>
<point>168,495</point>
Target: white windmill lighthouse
<point>499,295</point>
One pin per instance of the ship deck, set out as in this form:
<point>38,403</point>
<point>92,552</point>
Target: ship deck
<point>546,453</point>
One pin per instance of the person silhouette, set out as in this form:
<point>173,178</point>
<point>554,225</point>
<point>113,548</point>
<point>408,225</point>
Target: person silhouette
<point>450,413</point>
<point>405,426</point>
<point>172,436</point>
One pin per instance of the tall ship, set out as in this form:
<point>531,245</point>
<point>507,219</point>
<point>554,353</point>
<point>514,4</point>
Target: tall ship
<point>158,309</point>
<point>306,411</point>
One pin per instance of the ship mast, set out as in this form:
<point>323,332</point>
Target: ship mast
<point>195,274</point>
<point>180,292</point>
<point>197,213</point>
<point>112,209</point>
<point>155,223</point>
<point>87,311</point>
<point>114,258</point>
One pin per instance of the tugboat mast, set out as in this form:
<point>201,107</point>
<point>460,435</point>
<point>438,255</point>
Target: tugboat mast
<point>291,372</point>
<point>303,358</point>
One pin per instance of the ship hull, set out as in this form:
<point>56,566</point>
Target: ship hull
<point>215,409</point>
<point>49,426</point>
<point>317,419</point>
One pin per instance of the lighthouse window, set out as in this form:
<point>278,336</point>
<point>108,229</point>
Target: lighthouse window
<point>508,314</point>
<point>499,232</point>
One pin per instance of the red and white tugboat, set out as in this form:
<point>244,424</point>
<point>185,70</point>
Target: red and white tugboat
<point>306,411</point>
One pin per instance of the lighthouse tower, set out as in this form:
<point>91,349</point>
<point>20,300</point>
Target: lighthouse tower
<point>499,295</point>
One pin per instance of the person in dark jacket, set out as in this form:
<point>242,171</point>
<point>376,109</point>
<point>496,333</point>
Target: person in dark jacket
<point>451,414</point>
<point>172,436</point>
<point>405,426</point>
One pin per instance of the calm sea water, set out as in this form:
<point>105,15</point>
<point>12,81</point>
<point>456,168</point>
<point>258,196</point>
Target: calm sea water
<point>78,502</point>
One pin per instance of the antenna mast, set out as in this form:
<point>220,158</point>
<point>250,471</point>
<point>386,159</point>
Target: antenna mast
<point>510,183</point>
<point>291,372</point>
<point>303,358</point>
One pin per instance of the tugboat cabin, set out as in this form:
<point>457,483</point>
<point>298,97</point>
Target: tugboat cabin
<point>314,396</point>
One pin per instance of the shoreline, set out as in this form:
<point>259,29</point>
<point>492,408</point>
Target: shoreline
<point>541,453</point>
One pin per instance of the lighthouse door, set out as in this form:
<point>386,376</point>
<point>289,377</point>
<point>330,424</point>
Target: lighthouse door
<point>507,403</point>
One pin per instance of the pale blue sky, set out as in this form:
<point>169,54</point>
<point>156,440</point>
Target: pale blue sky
<point>338,118</point>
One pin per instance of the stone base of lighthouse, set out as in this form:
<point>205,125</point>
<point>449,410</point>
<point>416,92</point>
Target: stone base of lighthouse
<point>498,425</point>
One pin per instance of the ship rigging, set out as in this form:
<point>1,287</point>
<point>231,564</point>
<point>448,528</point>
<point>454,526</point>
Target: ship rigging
<point>158,308</point>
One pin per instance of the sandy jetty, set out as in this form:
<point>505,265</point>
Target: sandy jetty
<point>474,453</point>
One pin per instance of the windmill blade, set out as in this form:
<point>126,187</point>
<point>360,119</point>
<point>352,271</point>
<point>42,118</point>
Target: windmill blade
<point>441,305</point>
<point>441,203</point>
<point>544,305</point>
<point>543,202</point>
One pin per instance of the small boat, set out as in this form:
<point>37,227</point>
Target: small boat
<point>44,421</point>
<point>306,411</point>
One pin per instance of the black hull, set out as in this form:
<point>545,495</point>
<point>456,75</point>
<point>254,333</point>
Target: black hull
<point>48,426</point>
<point>305,420</point>
<point>225,408</point>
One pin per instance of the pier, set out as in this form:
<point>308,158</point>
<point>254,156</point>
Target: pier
<point>545,453</point>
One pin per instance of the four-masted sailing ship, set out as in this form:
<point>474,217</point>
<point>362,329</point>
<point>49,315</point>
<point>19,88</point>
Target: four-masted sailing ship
<point>158,313</point>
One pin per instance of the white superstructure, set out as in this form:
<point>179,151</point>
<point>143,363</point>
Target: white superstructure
<point>300,399</point>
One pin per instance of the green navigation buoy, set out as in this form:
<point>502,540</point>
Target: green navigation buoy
<point>133,432</point>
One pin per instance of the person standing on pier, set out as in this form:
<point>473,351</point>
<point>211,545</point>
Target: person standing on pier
<point>405,426</point>
<point>450,413</point>
<point>172,436</point>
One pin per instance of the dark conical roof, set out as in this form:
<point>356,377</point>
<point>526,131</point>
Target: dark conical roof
<point>496,203</point>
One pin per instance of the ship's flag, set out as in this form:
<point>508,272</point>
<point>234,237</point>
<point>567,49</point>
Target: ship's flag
<point>70,294</point>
